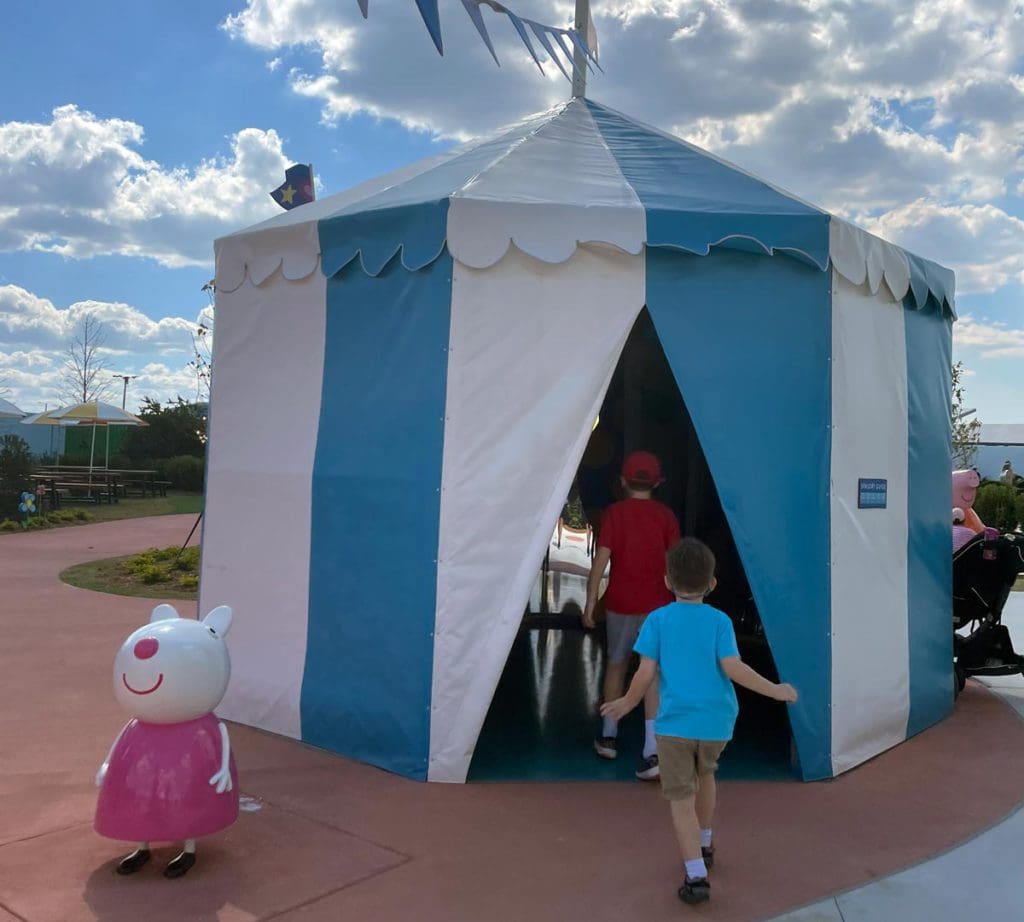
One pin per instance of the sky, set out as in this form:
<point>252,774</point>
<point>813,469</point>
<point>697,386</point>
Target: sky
<point>134,134</point>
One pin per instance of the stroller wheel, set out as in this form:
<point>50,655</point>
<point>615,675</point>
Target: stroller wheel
<point>959,680</point>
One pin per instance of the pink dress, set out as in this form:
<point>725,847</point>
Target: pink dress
<point>157,787</point>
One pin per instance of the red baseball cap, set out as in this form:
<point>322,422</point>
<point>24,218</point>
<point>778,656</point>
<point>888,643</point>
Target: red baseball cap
<point>642,468</point>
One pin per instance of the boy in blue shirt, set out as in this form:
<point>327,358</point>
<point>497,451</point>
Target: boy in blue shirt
<point>691,647</point>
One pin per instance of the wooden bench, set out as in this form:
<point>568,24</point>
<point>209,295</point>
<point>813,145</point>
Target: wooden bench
<point>82,491</point>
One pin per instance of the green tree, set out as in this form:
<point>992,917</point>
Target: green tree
<point>174,429</point>
<point>966,429</point>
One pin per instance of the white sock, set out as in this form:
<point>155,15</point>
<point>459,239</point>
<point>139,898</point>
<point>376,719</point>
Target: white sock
<point>705,838</point>
<point>696,869</point>
<point>609,727</point>
<point>650,743</point>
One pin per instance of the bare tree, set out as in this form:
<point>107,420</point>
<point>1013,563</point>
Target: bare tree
<point>85,376</point>
<point>202,346</point>
<point>966,430</point>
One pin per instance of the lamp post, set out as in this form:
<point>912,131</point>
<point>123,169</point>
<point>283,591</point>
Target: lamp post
<point>124,399</point>
<point>124,393</point>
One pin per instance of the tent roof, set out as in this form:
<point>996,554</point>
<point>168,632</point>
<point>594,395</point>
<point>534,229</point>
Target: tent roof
<point>577,173</point>
<point>9,411</point>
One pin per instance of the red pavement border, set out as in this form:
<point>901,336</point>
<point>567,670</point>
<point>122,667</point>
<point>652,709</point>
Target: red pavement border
<point>332,839</point>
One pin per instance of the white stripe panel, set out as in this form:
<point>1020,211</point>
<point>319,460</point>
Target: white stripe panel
<point>522,397</point>
<point>870,643</point>
<point>557,187</point>
<point>265,413</point>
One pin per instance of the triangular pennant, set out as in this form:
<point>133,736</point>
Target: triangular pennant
<point>432,19</point>
<point>541,32</point>
<point>473,8</point>
<point>579,43</point>
<point>592,39</point>
<point>364,6</point>
<point>558,34</point>
<point>521,29</point>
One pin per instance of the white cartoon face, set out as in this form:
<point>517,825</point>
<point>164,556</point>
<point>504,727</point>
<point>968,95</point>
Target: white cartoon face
<point>174,669</point>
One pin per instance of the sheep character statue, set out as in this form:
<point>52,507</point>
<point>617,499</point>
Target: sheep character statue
<point>170,775</point>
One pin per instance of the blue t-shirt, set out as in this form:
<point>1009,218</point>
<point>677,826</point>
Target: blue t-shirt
<point>687,640</point>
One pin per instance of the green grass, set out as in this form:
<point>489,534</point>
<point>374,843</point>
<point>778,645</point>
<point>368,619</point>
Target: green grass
<point>157,573</point>
<point>174,503</point>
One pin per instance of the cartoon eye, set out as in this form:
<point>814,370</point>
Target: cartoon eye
<point>213,633</point>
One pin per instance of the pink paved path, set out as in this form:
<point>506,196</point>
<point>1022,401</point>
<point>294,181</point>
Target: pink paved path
<point>334,840</point>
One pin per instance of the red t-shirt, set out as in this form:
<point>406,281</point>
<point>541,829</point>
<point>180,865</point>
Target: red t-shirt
<point>638,532</point>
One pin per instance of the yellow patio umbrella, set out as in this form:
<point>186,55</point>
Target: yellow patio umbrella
<point>93,413</point>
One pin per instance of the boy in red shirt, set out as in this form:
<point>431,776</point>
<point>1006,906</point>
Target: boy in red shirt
<point>635,534</point>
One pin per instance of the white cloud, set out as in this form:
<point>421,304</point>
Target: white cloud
<point>992,340</point>
<point>982,243</point>
<point>35,334</point>
<point>79,186</point>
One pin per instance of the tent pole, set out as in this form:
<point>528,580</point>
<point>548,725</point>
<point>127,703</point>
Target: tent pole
<point>579,59</point>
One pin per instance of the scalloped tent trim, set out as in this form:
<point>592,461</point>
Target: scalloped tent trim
<point>299,250</point>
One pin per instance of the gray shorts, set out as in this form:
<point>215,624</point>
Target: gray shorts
<point>623,631</point>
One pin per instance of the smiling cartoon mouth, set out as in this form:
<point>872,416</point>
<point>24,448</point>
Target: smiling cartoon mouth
<point>148,691</point>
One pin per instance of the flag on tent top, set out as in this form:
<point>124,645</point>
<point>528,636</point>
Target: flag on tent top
<point>297,188</point>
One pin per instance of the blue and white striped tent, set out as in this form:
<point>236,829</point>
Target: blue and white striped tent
<point>394,431</point>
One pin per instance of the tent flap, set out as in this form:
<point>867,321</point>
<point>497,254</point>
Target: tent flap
<point>522,400</point>
<point>760,418</point>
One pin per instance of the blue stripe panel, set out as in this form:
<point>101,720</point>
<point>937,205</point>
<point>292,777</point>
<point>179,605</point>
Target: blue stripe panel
<point>418,231</point>
<point>693,201</point>
<point>376,509</point>
<point>929,559</point>
<point>749,339</point>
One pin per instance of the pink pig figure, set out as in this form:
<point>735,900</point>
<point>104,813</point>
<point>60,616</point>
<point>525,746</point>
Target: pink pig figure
<point>170,775</point>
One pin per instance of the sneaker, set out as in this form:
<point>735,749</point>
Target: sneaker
<point>708,854</point>
<point>607,747</point>
<point>648,769</point>
<point>695,890</point>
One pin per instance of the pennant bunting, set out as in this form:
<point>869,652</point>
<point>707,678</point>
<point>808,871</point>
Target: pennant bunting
<point>543,33</point>
<point>521,29</point>
<point>473,9</point>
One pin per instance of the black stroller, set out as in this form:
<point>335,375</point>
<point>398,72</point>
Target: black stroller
<point>984,571</point>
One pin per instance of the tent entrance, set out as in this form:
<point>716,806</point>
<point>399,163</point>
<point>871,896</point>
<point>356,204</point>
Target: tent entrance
<point>541,722</point>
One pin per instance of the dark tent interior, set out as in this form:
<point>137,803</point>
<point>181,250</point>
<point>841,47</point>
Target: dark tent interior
<point>543,718</point>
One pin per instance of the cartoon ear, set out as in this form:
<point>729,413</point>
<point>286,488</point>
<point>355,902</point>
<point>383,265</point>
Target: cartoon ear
<point>163,613</point>
<point>219,619</point>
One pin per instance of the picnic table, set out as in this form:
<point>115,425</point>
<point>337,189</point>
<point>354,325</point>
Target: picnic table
<point>65,485</point>
<point>139,480</point>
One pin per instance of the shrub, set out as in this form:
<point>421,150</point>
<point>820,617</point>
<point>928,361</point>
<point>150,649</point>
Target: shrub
<point>999,505</point>
<point>9,525</point>
<point>189,581</point>
<point>15,468</point>
<point>153,573</point>
<point>185,472</point>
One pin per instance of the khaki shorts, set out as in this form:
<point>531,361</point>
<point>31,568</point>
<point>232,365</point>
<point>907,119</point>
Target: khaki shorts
<point>682,762</point>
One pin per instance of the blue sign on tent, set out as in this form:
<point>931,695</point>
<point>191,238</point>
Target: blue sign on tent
<point>871,493</point>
